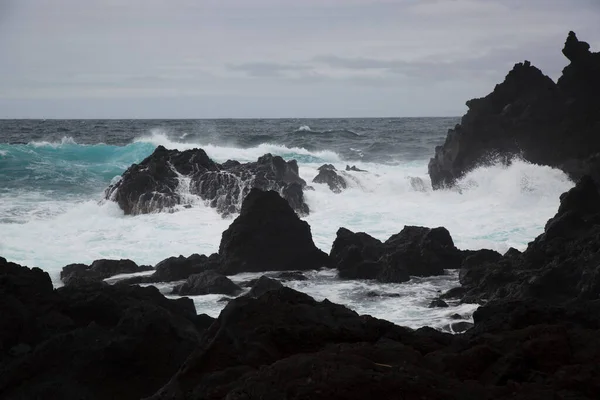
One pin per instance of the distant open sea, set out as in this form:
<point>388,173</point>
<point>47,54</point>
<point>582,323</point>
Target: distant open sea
<point>53,174</point>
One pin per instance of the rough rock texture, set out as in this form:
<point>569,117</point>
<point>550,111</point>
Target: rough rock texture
<point>169,177</point>
<point>177,269</point>
<point>528,115</point>
<point>99,270</point>
<point>329,175</point>
<point>88,341</point>
<point>560,265</point>
<point>303,349</point>
<point>208,282</point>
<point>415,251</point>
<point>98,341</point>
<point>268,236</point>
<point>263,285</point>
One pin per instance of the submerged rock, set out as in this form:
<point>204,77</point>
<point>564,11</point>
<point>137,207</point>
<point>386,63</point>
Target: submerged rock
<point>268,236</point>
<point>329,175</point>
<point>354,168</point>
<point>530,116</point>
<point>167,178</point>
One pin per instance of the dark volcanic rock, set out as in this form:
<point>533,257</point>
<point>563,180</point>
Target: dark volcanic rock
<point>561,264</point>
<point>353,168</point>
<point>268,236</point>
<point>99,270</point>
<point>528,115</point>
<point>303,349</point>
<point>162,180</point>
<point>88,341</point>
<point>208,282</point>
<point>329,175</point>
<point>177,269</point>
<point>415,251</point>
<point>262,286</point>
<point>438,303</point>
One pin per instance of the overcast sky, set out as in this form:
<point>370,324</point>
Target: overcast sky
<point>273,58</point>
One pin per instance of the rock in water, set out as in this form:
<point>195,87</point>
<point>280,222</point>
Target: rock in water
<point>415,251</point>
<point>262,286</point>
<point>268,236</point>
<point>329,175</point>
<point>560,265</point>
<point>99,270</point>
<point>168,177</point>
<point>530,116</point>
<point>208,282</point>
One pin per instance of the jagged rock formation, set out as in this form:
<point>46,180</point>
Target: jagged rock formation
<point>168,178</point>
<point>328,175</point>
<point>560,265</point>
<point>530,116</point>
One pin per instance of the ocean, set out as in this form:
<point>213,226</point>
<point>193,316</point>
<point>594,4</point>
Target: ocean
<point>53,174</point>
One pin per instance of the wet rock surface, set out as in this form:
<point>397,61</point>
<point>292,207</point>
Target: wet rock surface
<point>164,179</point>
<point>530,116</point>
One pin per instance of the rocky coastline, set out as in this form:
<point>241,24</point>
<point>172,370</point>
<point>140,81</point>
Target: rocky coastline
<point>536,334</point>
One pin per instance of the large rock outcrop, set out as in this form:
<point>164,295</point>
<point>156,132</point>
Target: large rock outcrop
<point>97,341</point>
<point>268,236</point>
<point>415,251</point>
<point>88,341</point>
<point>560,265</point>
<point>530,116</point>
<point>168,178</point>
<point>303,349</point>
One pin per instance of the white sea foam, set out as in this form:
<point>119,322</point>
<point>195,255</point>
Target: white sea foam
<point>493,207</point>
<point>65,140</point>
<point>304,128</point>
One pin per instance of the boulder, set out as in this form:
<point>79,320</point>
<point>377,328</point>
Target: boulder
<point>415,251</point>
<point>92,341</point>
<point>263,285</point>
<point>329,175</point>
<point>268,236</point>
<point>168,178</point>
<point>99,270</point>
<point>438,303</point>
<point>530,116</point>
<point>207,282</point>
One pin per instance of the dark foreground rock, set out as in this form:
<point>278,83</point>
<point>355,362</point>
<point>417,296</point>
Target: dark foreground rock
<point>560,265</point>
<point>415,251</point>
<point>303,349</point>
<point>98,341</point>
<point>208,282</point>
<point>329,176</point>
<point>99,270</point>
<point>88,341</point>
<point>164,179</point>
<point>528,115</point>
<point>268,236</point>
<point>263,285</point>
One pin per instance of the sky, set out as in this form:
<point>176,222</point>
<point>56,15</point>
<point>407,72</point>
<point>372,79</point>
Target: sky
<point>273,58</point>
